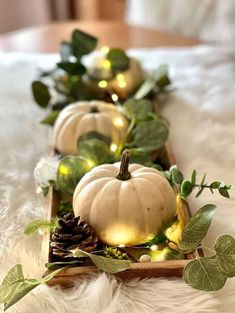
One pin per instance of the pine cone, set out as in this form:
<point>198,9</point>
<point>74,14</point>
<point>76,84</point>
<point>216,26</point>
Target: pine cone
<point>72,233</point>
<point>115,253</point>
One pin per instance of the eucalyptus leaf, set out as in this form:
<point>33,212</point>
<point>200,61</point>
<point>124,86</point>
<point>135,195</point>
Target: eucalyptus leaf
<point>95,150</point>
<point>51,118</point>
<point>193,177</point>
<point>140,157</point>
<point>185,189</point>
<point>56,265</point>
<point>225,254</point>
<point>197,227</point>
<point>137,109</point>
<point>204,274</point>
<point>40,225</point>
<point>65,51</point>
<point>107,265</point>
<point>215,185</point>
<point>151,135</point>
<point>176,176</point>
<point>170,254</point>
<point>82,43</point>
<point>72,68</point>
<point>224,192</point>
<point>153,80</point>
<point>118,59</point>
<point>95,135</point>
<point>71,169</point>
<point>41,93</point>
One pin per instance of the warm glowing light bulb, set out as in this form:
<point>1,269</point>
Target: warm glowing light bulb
<point>154,247</point>
<point>64,170</point>
<point>106,64</point>
<point>121,245</point>
<point>122,84</point>
<point>114,97</point>
<point>118,122</point>
<point>90,163</point>
<point>104,49</point>
<point>120,77</point>
<point>113,147</point>
<point>103,84</point>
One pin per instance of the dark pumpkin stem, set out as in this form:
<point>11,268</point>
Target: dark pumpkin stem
<point>124,173</point>
<point>94,110</point>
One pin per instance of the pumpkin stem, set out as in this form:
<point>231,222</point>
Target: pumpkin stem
<point>124,174</point>
<point>94,110</point>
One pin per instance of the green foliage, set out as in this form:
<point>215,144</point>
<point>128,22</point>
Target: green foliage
<point>40,225</point>
<point>95,135</point>
<point>185,189</point>
<point>176,176</point>
<point>64,207</point>
<point>170,254</point>
<point>55,265</point>
<point>115,253</point>
<point>140,157</point>
<point>107,265</point>
<point>71,169</point>
<point>72,68</point>
<point>15,286</point>
<point>150,135</point>
<point>95,150</point>
<point>204,274</point>
<point>118,59</point>
<point>159,79</point>
<point>82,43</point>
<point>225,254</point>
<point>51,118</point>
<point>41,93</point>
<point>197,228</point>
<point>137,109</point>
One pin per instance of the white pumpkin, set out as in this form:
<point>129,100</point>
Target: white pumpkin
<point>83,117</point>
<point>125,207</point>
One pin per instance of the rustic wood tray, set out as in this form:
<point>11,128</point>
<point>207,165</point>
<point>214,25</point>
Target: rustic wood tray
<point>141,270</point>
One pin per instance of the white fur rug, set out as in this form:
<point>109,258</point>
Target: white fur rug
<point>202,116</point>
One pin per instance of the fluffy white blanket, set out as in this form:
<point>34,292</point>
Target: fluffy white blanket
<point>202,117</point>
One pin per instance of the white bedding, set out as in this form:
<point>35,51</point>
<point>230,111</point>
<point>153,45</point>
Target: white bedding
<point>202,126</point>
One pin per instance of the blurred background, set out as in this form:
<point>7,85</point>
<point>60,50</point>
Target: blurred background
<point>210,20</point>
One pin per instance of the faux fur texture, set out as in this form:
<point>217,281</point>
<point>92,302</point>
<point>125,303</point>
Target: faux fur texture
<point>202,116</point>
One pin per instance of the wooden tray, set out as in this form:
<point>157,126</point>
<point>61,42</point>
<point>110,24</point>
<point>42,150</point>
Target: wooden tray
<point>141,270</point>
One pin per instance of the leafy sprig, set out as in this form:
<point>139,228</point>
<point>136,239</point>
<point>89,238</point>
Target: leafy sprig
<point>187,186</point>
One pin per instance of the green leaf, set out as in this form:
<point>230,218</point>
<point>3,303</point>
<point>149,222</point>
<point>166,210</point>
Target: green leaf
<point>56,265</point>
<point>197,227</point>
<point>140,157</point>
<point>225,254</point>
<point>40,225</point>
<point>155,79</point>
<point>65,51</point>
<point>204,274</point>
<point>41,93</point>
<point>151,135</point>
<point>107,265</point>
<point>72,68</point>
<point>15,286</point>
<point>137,109</point>
<point>185,189</point>
<point>51,118</point>
<point>170,254</point>
<point>82,43</point>
<point>215,185</point>
<point>95,150</point>
<point>95,135</point>
<point>224,192</point>
<point>193,177</point>
<point>176,176</point>
<point>118,59</point>
<point>71,169</point>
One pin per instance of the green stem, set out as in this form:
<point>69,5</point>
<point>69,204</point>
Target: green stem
<point>124,173</point>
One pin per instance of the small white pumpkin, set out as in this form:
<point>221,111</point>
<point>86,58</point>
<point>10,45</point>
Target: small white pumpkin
<point>125,207</point>
<point>83,117</point>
